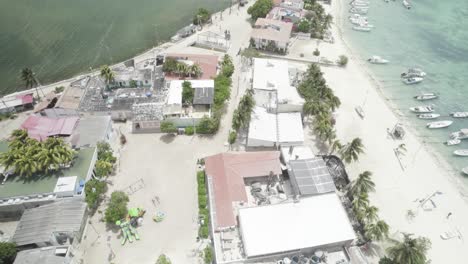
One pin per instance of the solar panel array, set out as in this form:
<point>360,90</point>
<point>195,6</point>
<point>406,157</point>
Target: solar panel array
<point>311,176</point>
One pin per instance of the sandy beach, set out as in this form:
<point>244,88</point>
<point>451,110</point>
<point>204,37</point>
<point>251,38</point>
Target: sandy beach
<point>399,187</point>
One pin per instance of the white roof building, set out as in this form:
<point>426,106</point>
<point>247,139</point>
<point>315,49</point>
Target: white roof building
<point>174,97</point>
<point>296,153</point>
<point>269,129</point>
<point>314,222</point>
<point>272,76</point>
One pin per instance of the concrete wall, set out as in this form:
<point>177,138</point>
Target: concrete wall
<point>289,108</point>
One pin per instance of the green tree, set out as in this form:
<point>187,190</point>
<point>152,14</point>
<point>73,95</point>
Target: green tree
<point>232,137</point>
<point>170,65</point>
<point>201,17</point>
<point>133,84</point>
<point>335,146</point>
<point>350,152</point>
<point>343,60</point>
<point>163,259</point>
<point>29,79</point>
<point>363,183</point>
<point>59,89</point>
<point>260,9</point>
<point>107,74</point>
<point>182,69</point>
<point>103,168</point>
<point>409,251</point>
<point>105,152</point>
<point>7,252</point>
<point>94,190</point>
<point>208,255</point>
<point>195,70</point>
<point>386,260</point>
<point>207,125</point>
<point>303,26</point>
<point>359,203</point>
<point>377,231</point>
<point>117,208</point>
<point>168,127</point>
<point>187,92</point>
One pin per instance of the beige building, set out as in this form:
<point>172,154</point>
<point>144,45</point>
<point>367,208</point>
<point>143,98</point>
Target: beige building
<point>272,35</point>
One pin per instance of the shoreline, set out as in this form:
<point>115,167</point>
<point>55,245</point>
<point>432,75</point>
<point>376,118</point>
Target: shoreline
<point>397,188</point>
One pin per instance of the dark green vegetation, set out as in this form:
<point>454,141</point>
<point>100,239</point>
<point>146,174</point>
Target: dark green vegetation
<point>107,74</point>
<point>163,259</point>
<point>201,17</point>
<point>117,207</point>
<point>222,93</point>
<point>208,255</point>
<point>343,60</point>
<point>28,156</point>
<point>94,190</point>
<point>411,250</point>
<point>260,9</point>
<point>173,66</point>
<point>316,21</point>
<point>106,160</point>
<point>241,116</point>
<point>203,212</point>
<point>187,92</point>
<point>7,252</point>
<point>168,127</point>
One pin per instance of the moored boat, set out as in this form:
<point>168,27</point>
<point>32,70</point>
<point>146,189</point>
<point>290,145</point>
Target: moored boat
<point>422,109</point>
<point>459,114</point>
<point>413,80</point>
<point>428,116</point>
<point>465,170</point>
<point>377,60</point>
<point>413,72</point>
<point>452,142</point>
<point>359,10</point>
<point>359,111</point>
<point>406,4</point>
<point>439,124</point>
<point>461,152</point>
<point>362,28</point>
<point>461,134</point>
<point>426,96</point>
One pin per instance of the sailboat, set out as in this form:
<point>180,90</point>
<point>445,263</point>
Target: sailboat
<point>359,109</point>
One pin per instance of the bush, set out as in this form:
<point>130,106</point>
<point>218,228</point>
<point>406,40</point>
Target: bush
<point>303,26</point>
<point>201,17</point>
<point>169,65</point>
<point>187,92</point>
<point>203,232</point>
<point>7,252</point>
<point>386,260</point>
<point>94,190</point>
<point>117,208</point>
<point>260,9</point>
<point>207,125</point>
<point>343,60</point>
<point>133,84</point>
<point>163,260</point>
<point>189,130</point>
<point>168,127</point>
<point>59,89</point>
<point>232,137</point>
<point>105,152</point>
<point>316,52</point>
<point>202,201</point>
<point>208,255</point>
<point>201,178</point>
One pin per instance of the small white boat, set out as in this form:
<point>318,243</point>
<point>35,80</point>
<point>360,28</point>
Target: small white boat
<point>413,72</point>
<point>358,10</point>
<point>452,142</point>
<point>439,124</point>
<point>461,152</point>
<point>413,80</point>
<point>360,4</point>
<point>406,4</point>
<point>362,28</point>
<point>377,60</point>
<point>359,111</point>
<point>422,109</point>
<point>426,96</point>
<point>461,134</point>
<point>465,170</point>
<point>459,114</point>
<point>428,116</point>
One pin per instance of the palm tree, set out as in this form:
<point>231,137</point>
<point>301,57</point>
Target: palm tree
<point>370,214</point>
<point>236,120</point>
<point>350,152</point>
<point>182,69</point>
<point>377,231</point>
<point>107,74</point>
<point>7,159</point>
<point>410,250</point>
<point>335,146</point>
<point>48,159</point>
<point>29,78</point>
<point>226,60</point>
<point>363,183</point>
<point>25,165</point>
<point>195,70</point>
<point>360,202</point>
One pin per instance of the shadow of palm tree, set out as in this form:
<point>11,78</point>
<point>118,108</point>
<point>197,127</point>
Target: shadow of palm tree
<point>167,138</point>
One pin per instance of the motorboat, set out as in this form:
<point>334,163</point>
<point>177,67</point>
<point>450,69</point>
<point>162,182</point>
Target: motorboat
<point>406,4</point>
<point>461,134</point>
<point>362,28</point>
<point>465,170</point>
<point>422,109</point>
<point>452,142</point>
<point>428,116</point>
<point>426,96</point>
<point>461,152</point>
<point>459,114</point>
<point>413,80</point>
<point>413,72</point>
<point>360,4</point>
<point>439,124</point>
<point>361,11</point>
<point>377,60</point>
<point>359,111</point>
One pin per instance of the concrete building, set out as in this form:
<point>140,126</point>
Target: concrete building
<point>92,129</point>
<point>132,78</point>
<point>45,255</point>
<point>16,103</point>
<point>286,14</point>
<point>272,35</point>
<point>294,4</point>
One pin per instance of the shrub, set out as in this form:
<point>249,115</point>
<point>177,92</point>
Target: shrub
<point>207,126</point>
<point>232,137</point>
<point>187,92</point>
<point>343,60</point>
<point>94,190</point>
<point>169,65</point>
<point>260,9</point>
<point>168,127</point>
<point>163,260</point>
<point>208,255</point>
<point>189,130</point>
<point>303,26</point>
<point>133,84</point>
<point>203,232</point>
<point>201,178</point>
<point>105,152</point>
<point>59,89</point>
<point>201,17</point>
<point>103,168</point>
<point>7,252</point>
<point>202,201</point>
<point>316,52</point>
<point>386,260</point>
<point>117,208</point>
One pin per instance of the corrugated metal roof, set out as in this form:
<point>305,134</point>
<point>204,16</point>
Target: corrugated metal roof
<point>45,255</point>
<point>203,96</point>
<point>38,224</point>
<point>311,176</point>
<point>42,127</point>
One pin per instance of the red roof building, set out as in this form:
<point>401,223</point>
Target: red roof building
<point>41,128</point>
<point>227,172</point>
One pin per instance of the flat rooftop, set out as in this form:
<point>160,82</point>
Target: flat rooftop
<point>17,186</point>
<point>312,222</point>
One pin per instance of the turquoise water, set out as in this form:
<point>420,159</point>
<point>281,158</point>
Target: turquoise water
<point>60,38</point>
<point>432,35</point>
